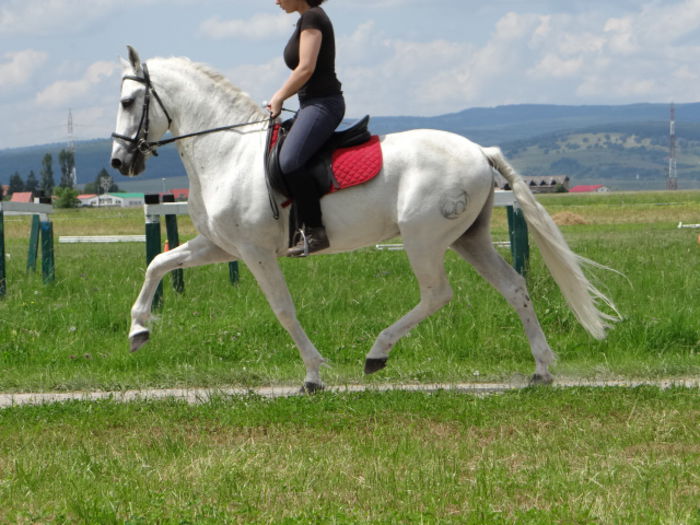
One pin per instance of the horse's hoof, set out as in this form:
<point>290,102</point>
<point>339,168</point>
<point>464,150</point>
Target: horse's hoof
<point>311,388</point>
<point>374,365</point>
<point>138,340</point>
<point>541,380</point>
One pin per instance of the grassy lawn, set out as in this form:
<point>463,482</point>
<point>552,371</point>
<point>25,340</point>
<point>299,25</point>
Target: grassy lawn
<point>543,455</point>
<point>534,456</point>
<point>72,334</point>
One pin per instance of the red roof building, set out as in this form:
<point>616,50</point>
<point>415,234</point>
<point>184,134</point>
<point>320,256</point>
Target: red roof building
<point>597,188</point>
<point>22,196</point>
<point>181,194</point>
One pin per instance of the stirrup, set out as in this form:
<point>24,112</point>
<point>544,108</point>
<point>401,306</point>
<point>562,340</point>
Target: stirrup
<point>301,232</point>
<point>312,240</point>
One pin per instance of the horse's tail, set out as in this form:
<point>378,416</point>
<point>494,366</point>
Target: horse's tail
<point>564,265</point>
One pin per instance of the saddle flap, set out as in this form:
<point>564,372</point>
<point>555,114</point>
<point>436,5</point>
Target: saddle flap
<point>275,138</point>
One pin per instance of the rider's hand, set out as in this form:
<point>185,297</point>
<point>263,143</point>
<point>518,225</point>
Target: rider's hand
<point>275,106</point>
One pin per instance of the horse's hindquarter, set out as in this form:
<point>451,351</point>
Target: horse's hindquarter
<point>430,180</point>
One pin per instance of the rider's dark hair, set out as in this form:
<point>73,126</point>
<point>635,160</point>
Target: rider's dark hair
<point>315,3</point>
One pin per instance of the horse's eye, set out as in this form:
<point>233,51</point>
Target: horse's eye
<point>127,102</point>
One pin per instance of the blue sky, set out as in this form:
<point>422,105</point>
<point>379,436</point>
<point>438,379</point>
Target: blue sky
<point>395,57</point>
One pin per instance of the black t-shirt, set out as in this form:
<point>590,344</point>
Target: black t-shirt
<point>323,82</point>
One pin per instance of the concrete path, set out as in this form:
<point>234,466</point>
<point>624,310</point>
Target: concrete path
<point>202,395</point>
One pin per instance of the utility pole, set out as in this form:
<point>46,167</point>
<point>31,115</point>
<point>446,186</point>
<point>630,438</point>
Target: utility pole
<point>672,175</point>
<point>71,147</point>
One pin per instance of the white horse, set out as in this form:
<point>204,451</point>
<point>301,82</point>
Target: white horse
<point>435,190</point>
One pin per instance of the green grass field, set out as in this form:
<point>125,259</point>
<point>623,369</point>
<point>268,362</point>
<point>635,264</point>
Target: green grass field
<point>535,456</point>
<point>72,334</point>
<point>544,455</point>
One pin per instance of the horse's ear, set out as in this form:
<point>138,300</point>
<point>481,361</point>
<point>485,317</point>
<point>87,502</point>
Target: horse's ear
<point>134,60</point>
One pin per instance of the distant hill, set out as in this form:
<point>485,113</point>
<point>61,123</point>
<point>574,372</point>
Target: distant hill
<point>631,156</point>
<point>625,147</point>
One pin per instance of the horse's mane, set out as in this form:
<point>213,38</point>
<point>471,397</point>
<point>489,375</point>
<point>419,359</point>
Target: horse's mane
<point>227,88</point>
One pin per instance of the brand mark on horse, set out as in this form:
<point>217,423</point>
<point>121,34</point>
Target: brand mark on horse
<point>453,205</point>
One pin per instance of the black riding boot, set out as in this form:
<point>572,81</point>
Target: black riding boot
<point>311,239</point>
<point>307,199</point>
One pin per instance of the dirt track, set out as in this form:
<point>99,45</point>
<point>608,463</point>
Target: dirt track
<point>201,395</point>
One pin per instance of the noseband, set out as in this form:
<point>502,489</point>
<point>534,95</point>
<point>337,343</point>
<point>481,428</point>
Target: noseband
<point>140,140</point>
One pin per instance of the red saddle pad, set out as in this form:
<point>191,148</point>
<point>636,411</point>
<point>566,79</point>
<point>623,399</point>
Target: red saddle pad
<point>356,165</point>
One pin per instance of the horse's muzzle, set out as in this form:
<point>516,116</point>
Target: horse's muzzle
<point>129,164</point>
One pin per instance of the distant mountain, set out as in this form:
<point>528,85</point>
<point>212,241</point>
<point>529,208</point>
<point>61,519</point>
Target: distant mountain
<point>503,124</point>
<point>630,156</point>
<point>625,147</point>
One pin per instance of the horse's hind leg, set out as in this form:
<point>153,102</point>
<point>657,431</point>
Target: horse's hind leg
<point>197,252</point>
<point>435,292</point>
<point>476,247</point>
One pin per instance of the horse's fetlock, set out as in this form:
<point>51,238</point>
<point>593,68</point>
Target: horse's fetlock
<point>541,379</point>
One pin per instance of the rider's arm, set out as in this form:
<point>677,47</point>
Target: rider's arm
<point>309,46</point>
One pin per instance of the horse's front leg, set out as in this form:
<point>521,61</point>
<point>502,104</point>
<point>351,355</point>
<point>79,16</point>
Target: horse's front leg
<point>197,252</point>
<point>264,266</point>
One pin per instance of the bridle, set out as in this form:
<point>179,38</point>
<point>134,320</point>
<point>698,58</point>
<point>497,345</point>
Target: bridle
<point>140,142</point>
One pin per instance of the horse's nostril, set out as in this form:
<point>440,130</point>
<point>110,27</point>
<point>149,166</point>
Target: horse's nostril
<point>116,163</point>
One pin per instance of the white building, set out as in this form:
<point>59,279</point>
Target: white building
<point>120,200</point>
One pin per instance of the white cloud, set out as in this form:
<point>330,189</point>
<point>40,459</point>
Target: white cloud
<point>576,57</point>
<point>261,81</point>
<point>514,26</point>
<point>685,73</point>
<point>20,66</point>
<point>59,17</point>
<point>364,46</point>
<point>632,56</point>
<point>622,39</point>
<point>27,17</point>
<point>259,27</point>
<point>380,4</point>
<point>553,66</point>
<point>64,91</point>
<point>394,56</point>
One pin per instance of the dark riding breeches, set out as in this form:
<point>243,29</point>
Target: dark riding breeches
<point>314,124</point>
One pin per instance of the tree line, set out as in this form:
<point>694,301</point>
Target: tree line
<point>66,193</point>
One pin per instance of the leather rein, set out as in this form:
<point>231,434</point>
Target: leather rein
<point>140,141</point>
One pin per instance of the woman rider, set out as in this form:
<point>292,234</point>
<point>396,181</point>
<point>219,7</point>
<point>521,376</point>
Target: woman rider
<point>310,54</point>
